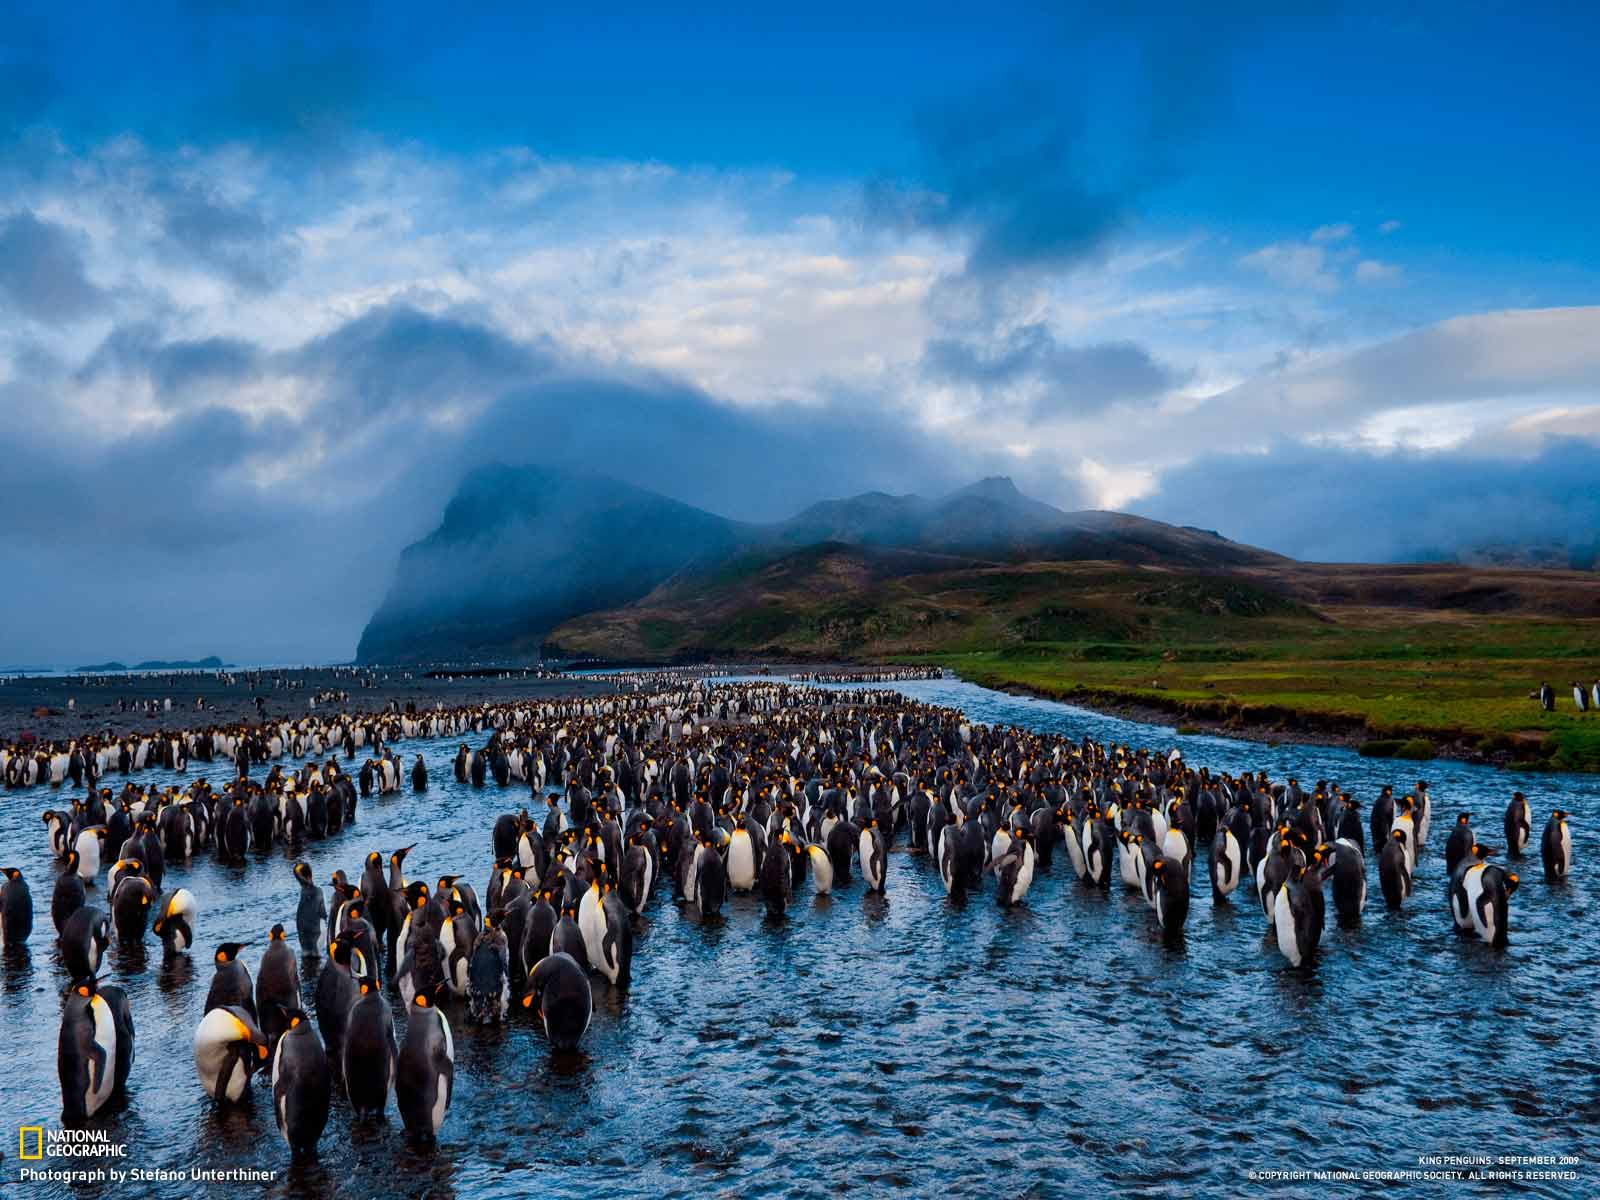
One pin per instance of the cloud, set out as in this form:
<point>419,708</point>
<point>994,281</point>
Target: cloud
<point>1332,504</point>
<point>1388,227</point>
<point>1370,270</point>
<point>1052,378</point>
<point>41,272</point>
<point>1293,264</point>
<point>1332,233</point>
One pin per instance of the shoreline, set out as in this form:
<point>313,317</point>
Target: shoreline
<point>1282,725</point>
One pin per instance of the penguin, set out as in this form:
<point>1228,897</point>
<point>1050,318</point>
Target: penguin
<point>1349,879</point>
<point>84,938</point>
<point>711,881</point>
<point>88,846</point>
<point>277,984</point>
<point>302,1085</point>
<point>1170,895</point>
<point>1459,843</point>
<point>86,1051</point>
<point>1555,847</point>
<point>16,911</point>
<point>175,917</point>
<point>231,985</point>
<point>566,938</point>
<point>132,899</point>
<point>311,914</point>
<point>1394,871</point>
<point>536,935</point>
<point>1299,914</point>
<point>874,857</point>
<point>821,869</point>
<point>68,895</point>
<point>488,976</point>
<point>1014,870</point>
<point>1226,864</point>
<point>425,1070</point>
<point>1519,825</point>
<point>615,961</point>
<point>741,861</point>
<point>228,1046</point>
<point>369,1053</point>
<point>1479,892</point>
<point>777,876</point>
<point>419,778</point>
<point>456,937</point>
<point>337,992</point>
<point>560,988</point>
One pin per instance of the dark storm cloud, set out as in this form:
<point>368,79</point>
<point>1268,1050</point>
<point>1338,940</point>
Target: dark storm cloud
<point>1076,380</point>
<point>1339,505</point>
<point>179,373</point>
<point>274,533</point>
<point>231,239</point>
<point>1024,167</point>
<point>41,272</point>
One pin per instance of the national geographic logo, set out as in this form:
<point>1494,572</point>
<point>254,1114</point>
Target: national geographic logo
<point>35,1142</point>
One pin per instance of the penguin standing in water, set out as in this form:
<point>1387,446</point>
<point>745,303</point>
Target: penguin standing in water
<point>488,979</point>
<point>1170,895</point>
<point>91,1060</point>
<point>874,857</point>
<point>370,1053</point>
<point>560,987</point>
<point>1459,843</point>
<point>616,941</point>
<point>419,776</point>
<point>821,869</point>
<point>277,984</point>
<point>1479,892</point>
<point>68,895</point>
<point>228,1046</point>
<point>425,1071</point>
<point>84,939</point>
<point>1349,869</point>
<point>1227,864</point>
<point>174,923</point>
<point>1556,846</point>
<point>1014,870</point>
<point>231,983</point>
<point>311,914</point>
<point>1299,913</point>
<point>16,910</point>
<point>1394,871</point>
<point>777,876</point>
<point>302,1085</point>
<point>710,880</point>
<point>336,993</point>
<point>1519,825</point>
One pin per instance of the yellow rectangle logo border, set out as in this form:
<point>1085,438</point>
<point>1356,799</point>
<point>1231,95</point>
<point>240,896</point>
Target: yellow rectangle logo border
<point>38,1143</point>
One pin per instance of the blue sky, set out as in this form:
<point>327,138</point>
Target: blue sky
<point>334,257</point>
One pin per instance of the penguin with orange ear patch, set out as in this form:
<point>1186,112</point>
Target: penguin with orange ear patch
<point>302,1084</point>
<point>370,1053</point>
<point>231,984</point>
<point>558,990</point>
<point>425,1072</point>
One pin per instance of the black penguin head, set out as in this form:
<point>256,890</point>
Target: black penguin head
<point>10,872</point>
<point>228,951</point>
<point>87,986</point>
<point>276,933</point>
<point>72,860</point>
<point>1464,819</point>
<point>1511,882</point>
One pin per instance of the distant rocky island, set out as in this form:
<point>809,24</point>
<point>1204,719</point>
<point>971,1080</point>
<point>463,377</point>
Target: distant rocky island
<point>213,663</point>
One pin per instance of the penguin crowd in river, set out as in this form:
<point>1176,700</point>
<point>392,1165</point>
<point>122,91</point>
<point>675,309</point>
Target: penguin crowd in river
<point>686,796</point>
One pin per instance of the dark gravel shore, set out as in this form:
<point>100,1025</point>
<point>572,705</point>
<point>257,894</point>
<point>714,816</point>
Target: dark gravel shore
<point>39,705</point>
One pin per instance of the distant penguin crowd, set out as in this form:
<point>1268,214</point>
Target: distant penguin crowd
<point>691,795</point>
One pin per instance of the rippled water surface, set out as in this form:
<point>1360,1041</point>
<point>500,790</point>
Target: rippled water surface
<point>868,1044</point>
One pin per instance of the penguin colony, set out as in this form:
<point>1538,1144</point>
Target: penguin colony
<point>700,791</point>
